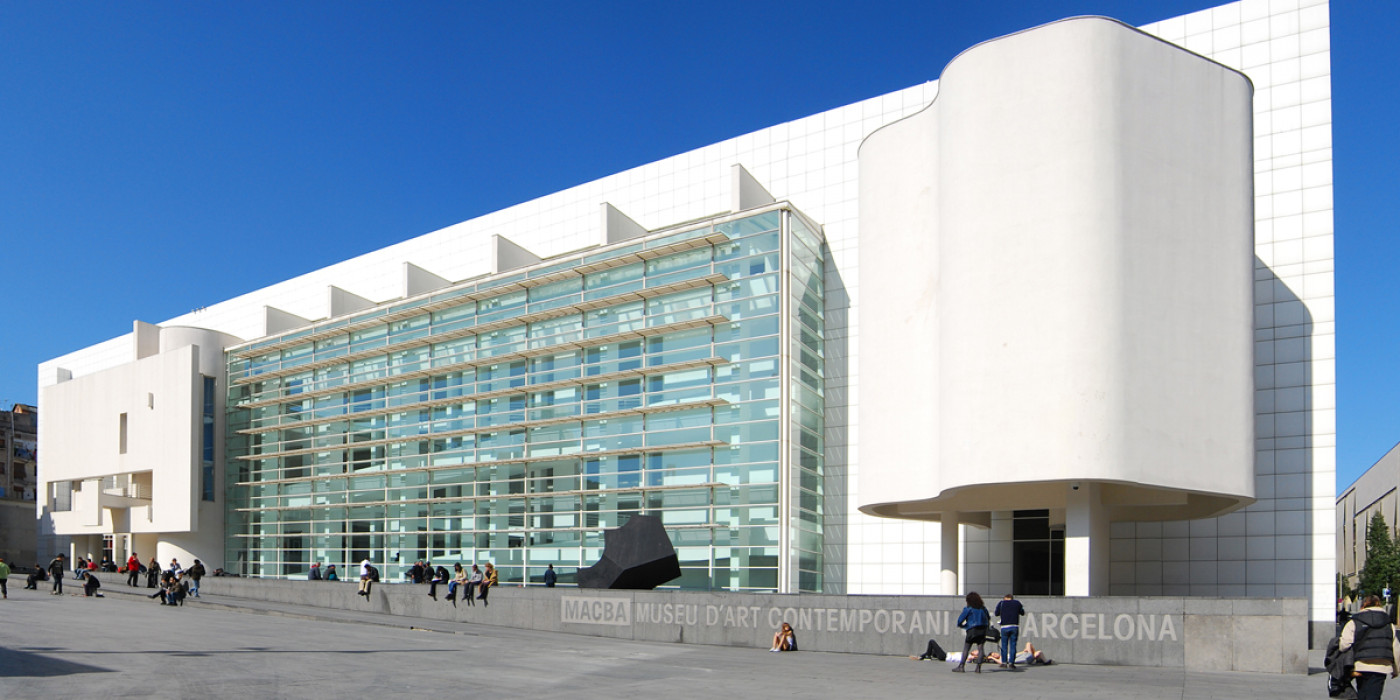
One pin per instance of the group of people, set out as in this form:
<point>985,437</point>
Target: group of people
<point>85,570</point>
<point>173,584</point>
<point>316,574</point>
<point>978,623</point>
<point>472,584</point>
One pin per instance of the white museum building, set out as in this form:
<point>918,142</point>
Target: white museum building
<point>1058,323</point>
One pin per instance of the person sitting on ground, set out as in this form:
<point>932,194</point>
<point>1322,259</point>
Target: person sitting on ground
<point>162,589</point>
<point>440,577</point>
<point>784,639</point>
<point>38,574</point>
<point>459,580</point>
<point>176,591</point>
<point>91,584</point>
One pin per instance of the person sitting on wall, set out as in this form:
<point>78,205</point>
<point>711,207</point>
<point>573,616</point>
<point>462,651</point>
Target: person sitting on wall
<point>315,573</point>
<point>473,582</point>
<point>331,575</point>
<point>784,639</point>
<point>365,583</point>
<point>488,581</point>
<point>459,580</point>
<point>439,577</point>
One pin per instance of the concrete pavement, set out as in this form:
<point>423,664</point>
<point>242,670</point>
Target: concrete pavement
<point>128,646</point>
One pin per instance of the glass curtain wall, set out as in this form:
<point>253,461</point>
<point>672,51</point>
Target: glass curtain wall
<point>514,419</point>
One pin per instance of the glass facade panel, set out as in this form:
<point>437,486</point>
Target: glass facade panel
<point>515,425</point>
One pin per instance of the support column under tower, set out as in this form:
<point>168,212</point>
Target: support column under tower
<point>1086,541</point>
<point>948,555</point>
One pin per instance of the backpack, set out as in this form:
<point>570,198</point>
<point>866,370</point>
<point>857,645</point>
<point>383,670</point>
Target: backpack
<point>373,574</point>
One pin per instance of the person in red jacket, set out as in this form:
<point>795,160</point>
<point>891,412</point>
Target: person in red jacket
<point>133,569</point>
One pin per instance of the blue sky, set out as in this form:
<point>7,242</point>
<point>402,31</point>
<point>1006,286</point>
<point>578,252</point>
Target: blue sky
<point>157,156</point>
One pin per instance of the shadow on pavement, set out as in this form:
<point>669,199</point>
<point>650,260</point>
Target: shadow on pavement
<point>16,663</point>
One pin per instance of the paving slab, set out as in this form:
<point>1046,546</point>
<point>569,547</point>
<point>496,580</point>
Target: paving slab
<point>125,645</point>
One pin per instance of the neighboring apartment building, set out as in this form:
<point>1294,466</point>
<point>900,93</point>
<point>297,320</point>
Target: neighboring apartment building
<point>1372,492</point>
<point>376,407</point>
<point>19,448</point>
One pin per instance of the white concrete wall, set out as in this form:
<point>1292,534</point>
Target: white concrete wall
<point>80,438</point>
<point>1068,278</point>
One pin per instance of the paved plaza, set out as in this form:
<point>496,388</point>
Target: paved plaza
<point>127,646</point>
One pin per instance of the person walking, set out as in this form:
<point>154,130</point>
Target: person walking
<point>1371,638</point>
<point>1009,611</point>
<point>133,569</point>
<point>4,579</point>
<point>196,573</point>
<point>56,573</point>
<point>974,619</point>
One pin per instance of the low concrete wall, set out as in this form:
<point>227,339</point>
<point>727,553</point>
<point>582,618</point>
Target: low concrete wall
<point>1199,634</point>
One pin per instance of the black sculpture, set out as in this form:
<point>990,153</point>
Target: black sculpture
<point>636,556</point>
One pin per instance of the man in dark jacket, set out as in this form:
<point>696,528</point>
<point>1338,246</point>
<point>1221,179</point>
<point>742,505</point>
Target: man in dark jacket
<point>195,573</point>
<point>1010,611</point>
<point>1371,639</point>
<point>56,573</point>
<point>439,577</point>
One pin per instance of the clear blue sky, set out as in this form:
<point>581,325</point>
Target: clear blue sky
<point>161,156</point>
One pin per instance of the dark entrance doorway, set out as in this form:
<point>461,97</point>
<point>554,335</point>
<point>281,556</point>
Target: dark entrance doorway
<point>1037,554</point>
